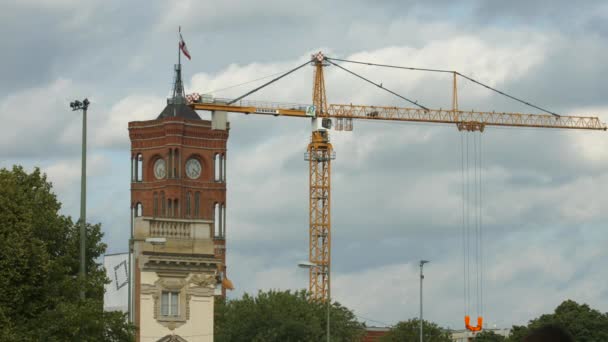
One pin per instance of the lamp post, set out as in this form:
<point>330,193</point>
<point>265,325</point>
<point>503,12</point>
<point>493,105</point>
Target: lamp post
<point>309,265</point>
<point>422,262</point>
<point>84,105</point>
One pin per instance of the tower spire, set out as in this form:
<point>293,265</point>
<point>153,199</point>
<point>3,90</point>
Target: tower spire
<point>179,95</point>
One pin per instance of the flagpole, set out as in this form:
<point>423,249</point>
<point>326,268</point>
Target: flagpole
<point>179,55</point>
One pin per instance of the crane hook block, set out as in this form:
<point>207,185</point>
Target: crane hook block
<point>467,323</point>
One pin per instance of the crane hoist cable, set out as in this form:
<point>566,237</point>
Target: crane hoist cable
<point>472,239</point>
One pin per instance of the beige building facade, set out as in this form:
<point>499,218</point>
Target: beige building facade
<point>177,276</point>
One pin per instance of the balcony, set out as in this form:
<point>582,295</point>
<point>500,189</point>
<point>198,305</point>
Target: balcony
<point>172,229</point>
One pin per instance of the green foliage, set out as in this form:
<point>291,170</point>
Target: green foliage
<point>410,331</point>
<point>489,336</point>
<point>282,316</point>
<point>39,264</point>
<point>582,322</point>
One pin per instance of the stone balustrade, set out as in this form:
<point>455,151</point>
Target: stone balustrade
<point>175,229</point>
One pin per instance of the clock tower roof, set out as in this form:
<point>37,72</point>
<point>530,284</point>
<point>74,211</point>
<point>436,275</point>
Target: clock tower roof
<point>177,104</point>
<point>178,109</point>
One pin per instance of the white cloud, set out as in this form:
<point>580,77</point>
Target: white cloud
<point>112,129</point>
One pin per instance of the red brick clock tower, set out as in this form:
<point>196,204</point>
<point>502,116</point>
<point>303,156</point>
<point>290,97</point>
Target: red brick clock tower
<point>178,201</point>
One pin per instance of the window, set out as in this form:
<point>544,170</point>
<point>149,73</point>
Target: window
<point>197,204</point>
<point>139,168</point>
<point>139,209</point>
<point>176,208</point>
<point>170,168</point>
<point>217,169</point>
<point>169,304</point>
<point>133,168</point>
<point>188,203</point>
<point>219,220</point>
<point>169,208</point>
<point>176,163</point>
<point>163,212</point>
<point>223,229</point>
<point>223,167</point>
<point>217,216</point>
<point>155,204</point>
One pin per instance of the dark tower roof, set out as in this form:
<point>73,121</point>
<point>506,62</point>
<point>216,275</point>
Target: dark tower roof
<point>176,106</point>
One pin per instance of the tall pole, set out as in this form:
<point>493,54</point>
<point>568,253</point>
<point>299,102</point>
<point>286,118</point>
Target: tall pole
<point>422,262</point>
<point>328,299</point>
<point>84,105</point>
<point>130,283</point>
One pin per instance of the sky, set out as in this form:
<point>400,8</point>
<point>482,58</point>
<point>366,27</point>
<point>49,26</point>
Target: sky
<point>396,187</point>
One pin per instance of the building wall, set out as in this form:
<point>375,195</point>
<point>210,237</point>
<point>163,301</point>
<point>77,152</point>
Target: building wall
<point>198,328</point>
<point>192,258</point>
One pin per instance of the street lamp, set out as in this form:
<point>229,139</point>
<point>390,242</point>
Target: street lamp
<point>309,265</point>
<point>422,262</point>
<point>84,105</point>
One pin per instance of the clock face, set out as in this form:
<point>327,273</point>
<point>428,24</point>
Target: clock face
<point>193,168</point>
<point>160,169</point>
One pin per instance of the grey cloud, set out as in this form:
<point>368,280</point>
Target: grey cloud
<point>396,187</point>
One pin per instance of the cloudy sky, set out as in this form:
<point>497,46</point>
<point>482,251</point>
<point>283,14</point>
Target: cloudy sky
<point>396,187</point>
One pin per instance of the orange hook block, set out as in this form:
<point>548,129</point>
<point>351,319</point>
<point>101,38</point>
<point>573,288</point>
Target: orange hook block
<point>467,323</point>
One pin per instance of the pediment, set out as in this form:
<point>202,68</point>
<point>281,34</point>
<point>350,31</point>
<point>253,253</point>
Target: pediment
<point>172,338</point>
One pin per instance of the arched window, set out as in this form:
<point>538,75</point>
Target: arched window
<point>176,208</point>
<point>133,166</point>
<point>139,168</point>
<point>217,218</point>
<point>188,204</point>
<point>169,208</point>
<point>170,168</point>
<point>216,167</point>
<point>163,211</point>
<point>197,204</point>
<point>223,167</point>
<point>223,230</point>
<point>139,209</point>
<point>155,212</point>
<point>177,164</point>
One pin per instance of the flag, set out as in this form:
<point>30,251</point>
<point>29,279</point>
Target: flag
<point>182,46</point>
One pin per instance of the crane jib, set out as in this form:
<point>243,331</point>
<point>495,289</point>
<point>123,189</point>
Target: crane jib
<point>465,120</point>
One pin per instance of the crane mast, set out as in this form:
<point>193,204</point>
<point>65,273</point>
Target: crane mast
<point>319,155</point>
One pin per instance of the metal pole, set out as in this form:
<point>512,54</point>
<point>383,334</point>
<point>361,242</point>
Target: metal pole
<point>421,277</point>
<point>130,283</point>
<point>422,262</point>
<point>83,198</point>
<point>328,298</point>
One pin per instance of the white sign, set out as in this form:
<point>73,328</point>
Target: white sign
<point>116,296</point>
<point>311,111</point>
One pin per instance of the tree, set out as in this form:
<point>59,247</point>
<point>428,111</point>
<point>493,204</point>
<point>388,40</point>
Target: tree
<point>39,264</point>
<point>410,331</point>
<point>282,316</point>
<point>579,320</point>
<point>489,336</point>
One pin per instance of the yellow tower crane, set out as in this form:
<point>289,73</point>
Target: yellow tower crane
<point>320,152</point>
